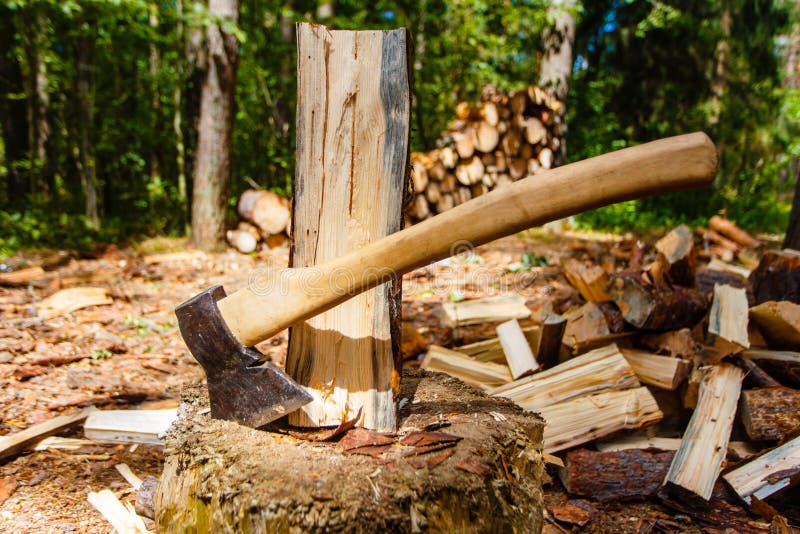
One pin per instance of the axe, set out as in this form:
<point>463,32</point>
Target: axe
<point>220,330</point>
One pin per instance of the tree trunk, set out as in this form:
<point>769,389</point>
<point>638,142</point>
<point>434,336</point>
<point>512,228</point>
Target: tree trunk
<point>155,104</point>
<point>213,156</point>
<point>177,118</point>
<point>556,67</point>
<point>85,47</point>
<point>792,239</point>
<point>13,116</point>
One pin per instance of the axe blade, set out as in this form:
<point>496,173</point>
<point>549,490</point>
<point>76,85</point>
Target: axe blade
<point>241,387</point>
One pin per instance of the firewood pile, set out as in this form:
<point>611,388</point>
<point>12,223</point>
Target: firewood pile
<point>501,139</point>
<point>266,217</point>
<point>707,358</point>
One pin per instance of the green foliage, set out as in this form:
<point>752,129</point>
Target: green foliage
<point>649,69</point>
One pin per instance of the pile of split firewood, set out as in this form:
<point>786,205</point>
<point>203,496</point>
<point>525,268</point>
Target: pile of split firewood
<point>706,357</point>
<point>266,217</point>
<point>503,138</point>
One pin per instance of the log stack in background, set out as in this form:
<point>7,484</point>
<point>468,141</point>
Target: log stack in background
<point>501,139</point>
<point>265,216</point>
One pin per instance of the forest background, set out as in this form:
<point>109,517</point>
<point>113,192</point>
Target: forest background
<point>101,101</point>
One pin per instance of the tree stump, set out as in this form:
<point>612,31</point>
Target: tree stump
<point>223,477</point>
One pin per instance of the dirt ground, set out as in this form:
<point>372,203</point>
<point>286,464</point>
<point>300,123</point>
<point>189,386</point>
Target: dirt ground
<point>129,354</point>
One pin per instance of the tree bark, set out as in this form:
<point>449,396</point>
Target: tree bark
<point>213,156</point>
<point>177,118</point>
<point>85,47</point>
<point>792,239</point>
<point>556,67</point>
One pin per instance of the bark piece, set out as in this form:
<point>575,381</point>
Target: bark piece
<point>784,365</point>
<point>128,426</point>
<point>777,277</point>
<point>516,349</point>
<point>729,229</point>
<point>599,370</point>
<point>664,372</point>
<point>590,280</point>
<point>624,475</point>
<point>266,210</point>
<point>22,277</point>
<point>72,299</point>
<point>14,444</point>
<point>146,497</point>
<point>208,458</point>
<point>770,413</point>
<point>353,122</point>
<point>587,328</point>
<point>589,418</point>
<point>698,461</point>
<point>779,322</point>
<point>483,375</point>
<point>677,249</point>
<point>486,310</point>
<point>767,475</point>
<point>650,307</point>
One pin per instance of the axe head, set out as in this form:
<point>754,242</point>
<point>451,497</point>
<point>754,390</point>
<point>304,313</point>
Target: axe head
<point>241,387</point>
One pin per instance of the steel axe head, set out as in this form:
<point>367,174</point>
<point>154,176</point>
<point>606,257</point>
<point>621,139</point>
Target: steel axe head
<point>241,387</point>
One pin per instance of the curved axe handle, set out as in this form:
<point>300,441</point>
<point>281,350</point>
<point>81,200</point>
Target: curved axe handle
<point>683,162</point>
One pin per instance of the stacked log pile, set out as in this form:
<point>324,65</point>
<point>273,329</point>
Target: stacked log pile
<point>266,217</point>
<point>503,138</point>
<point>696,353</point>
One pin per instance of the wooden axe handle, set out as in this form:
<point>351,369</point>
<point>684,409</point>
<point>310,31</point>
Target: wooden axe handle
<point>273,302</point>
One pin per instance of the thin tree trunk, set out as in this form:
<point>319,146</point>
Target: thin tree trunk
<point>213,158</point>
<point>12,115</point>
<point>556,67</point>
<point>792,81</point>
<point>85,92</point>
<point>155,104</point>
<point>719,80</point>
<point>177,118</point>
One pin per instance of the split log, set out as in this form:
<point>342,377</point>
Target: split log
<point>698,462</point>
<point>122,517</point>
<point>777,277</point>
<point>348,357</point>
<point>128,426</point>
<point>717,238</point>
<point>736,449</point>
<point>516,348</point>
<point>470,172</point>
<point>770,413</point>
<point>624,475</point>
<point>18,442</point>
<point>460,484</point>
<point>590,280</point>
<point>490,309</point>
<point>767,475</point>
<point>268,211</point>
<point>727,324</point>
<point>677,343</point>
<point>725,267</point>
<point>650,307</point>
<point>779,322</point>
<point>586,419</point>
<point>729,229</point>
<point>599,370</point>
<point>587,328</point>
<point>491,350</point>
<point>550,337</point>
<point>448,157</point>
<point>663,372</point>
<point>482,375</point>
<point>419,177</point>
<point>677,249</point>
<point>783,365</point>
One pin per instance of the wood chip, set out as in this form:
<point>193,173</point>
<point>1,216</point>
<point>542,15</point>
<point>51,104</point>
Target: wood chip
<point>574,512</point>
<point>432,460</point>
<point>425,439</point>
<point>7,487</point>
<point>362,437</point>
<point>122,517</point>
<point>471,464</point>
<point>72,299</point>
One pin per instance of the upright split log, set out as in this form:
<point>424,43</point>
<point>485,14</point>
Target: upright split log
<point>352,152</point>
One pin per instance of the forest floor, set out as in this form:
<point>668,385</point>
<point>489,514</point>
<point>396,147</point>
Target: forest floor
<point>129,354</point>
